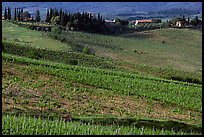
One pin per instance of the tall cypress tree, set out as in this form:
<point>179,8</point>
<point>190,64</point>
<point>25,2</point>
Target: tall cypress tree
<point>62,19</point>
<point>51,13</point>
<point>37,17</point>
<point>60,13</point>
<point>21,15</point>
<point>15,14</point>
<point>5,14</point>
<point>9,13</point>
<point>47,17</point>
<point>56,12</point>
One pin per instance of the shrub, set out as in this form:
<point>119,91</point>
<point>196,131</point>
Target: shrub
<point>86,50</point>
<point>71,61</point>
<point>34,55</point>
<point>63,40</point>
<point>179,78</point>
<point>3,48</point>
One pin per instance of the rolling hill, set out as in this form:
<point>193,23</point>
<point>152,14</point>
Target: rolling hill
<point>147,82</point>
<point>107,9</point>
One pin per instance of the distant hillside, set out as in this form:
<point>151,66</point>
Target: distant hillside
<point>106,8</point>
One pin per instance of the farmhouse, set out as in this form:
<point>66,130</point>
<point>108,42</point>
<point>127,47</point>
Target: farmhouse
<point>142,22</point>
<point>27,19</point>
<point>110,21</point>
<point>180,23</point>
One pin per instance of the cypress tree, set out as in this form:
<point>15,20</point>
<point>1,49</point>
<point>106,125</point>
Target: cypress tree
<point>47,17</point>
<point>62,19</point>
<point>55,13</point>
<point>15,14</point>
<point>9,13</point>
<point>5,14</point>
<point>21,15</point>
<point>37,17</point>
<point>60,13</point>
<point>99,16</point>
<point>51,13</point>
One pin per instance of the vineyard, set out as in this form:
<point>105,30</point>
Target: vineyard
<point>106,94</point>
<point>21,125</point>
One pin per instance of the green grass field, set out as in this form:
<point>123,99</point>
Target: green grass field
<point>128,78</point>
<point>14,34</point>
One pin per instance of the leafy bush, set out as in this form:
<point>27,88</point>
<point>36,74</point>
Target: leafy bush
<point>71,61</point>
<point>56,30</point>
<point>34,55</point>
<point>188,79</point>
<point>3,48</point>
<point>87,50</point>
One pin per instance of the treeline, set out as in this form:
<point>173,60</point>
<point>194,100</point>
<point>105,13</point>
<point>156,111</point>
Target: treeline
<point>79,21</point>
<point>20,15</point>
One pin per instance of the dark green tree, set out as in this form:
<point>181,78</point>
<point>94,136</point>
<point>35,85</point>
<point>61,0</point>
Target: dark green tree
<point>9,13</point>
<point>47,17</point>
<point>62,19</point>
<point>37,16</point>
<point>5,13</point>
<point>15,14</point>
<point>26,14</point>
<point>195,21</point>
<point>55,13</point>
<point>60,13</point>
<point>188,19</point>
<point>21,15</point>
<point>51,13</point>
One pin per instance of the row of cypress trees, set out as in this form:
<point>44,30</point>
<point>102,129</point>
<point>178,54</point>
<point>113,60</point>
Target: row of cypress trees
<point>81,21</point>
<point>19,14</point>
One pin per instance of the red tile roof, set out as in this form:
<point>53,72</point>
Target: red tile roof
<point>143,21</point>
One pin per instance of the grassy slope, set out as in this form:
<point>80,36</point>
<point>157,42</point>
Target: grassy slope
<point>15,34</point>
<point>41,92</point>
<point>157,57</point>
<point>175,48</point>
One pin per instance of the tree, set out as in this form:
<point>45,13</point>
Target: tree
<point>15,14</point>
<point>5,14</point>
<point>21,15</point>
<point>26,15</point>
<point>37,17</point>
<point>51,14</point>
<point>156,21</point>
<point>121,22</point>
<point>62,19</point>
<point>47,17</point>
<point>76,23</point>
<point>9,13</point>
<point>56,29</point>
<point>55,13</point>
<point>86,50</point>
<point>60,13</point>
<point>69,25</point>
<point>55,20</point>
<point>184,19</point>
<point>195,21</point>
<point>188,19</point>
